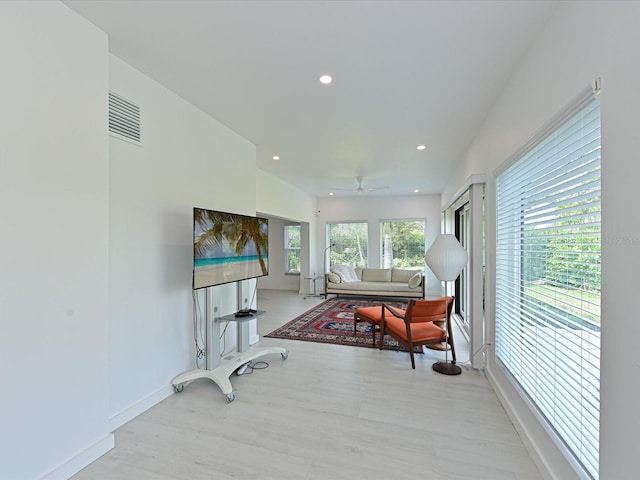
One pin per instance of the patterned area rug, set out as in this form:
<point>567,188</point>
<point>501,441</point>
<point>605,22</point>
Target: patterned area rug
<point>332,322</point>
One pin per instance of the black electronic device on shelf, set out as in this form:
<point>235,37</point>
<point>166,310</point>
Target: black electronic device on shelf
<point>245,312</point>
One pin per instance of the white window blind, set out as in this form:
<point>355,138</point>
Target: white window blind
<point>548,278</point>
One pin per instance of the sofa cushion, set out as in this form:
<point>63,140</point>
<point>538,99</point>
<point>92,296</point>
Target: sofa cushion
<point>376,275</point>
<point>359,272</point>
<point>402,275</point>
<point>382,289</point>
<point>346,273</point>
<point>414,282</point>
<point>333,277</point>
<point>378,288</point>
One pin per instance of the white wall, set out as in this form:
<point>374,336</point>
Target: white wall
<point>373,210</point>
<point>187,159</point>
<point>277,280</point>
<point>280,199</point>
<point>53,260</point>
<point>583,41</point>
<point>276,198</point>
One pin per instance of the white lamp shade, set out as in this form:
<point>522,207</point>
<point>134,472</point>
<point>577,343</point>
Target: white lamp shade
<point>446,257</point>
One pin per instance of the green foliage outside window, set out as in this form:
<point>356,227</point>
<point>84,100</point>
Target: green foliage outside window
<point>403,244</point>
<point>349,242</point>
<point>562,262</point>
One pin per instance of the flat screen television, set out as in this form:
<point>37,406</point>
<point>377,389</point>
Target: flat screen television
<point>228,247</point>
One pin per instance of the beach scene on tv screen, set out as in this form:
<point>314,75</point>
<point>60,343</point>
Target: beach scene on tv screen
<point>228,247</point>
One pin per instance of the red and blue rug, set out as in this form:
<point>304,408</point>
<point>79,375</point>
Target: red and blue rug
<point>332,322</point>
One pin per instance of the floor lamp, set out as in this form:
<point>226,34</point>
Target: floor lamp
<point>446,258</point>
<point>324,266</point>
<point>325,257</point>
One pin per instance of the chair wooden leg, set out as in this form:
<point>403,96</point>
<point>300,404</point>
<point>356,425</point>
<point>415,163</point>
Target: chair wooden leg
<point>357,319</point>
<point>413,361</point>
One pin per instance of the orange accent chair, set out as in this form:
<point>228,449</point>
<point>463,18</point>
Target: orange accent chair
<point>414,326</point>
<point>371,315</point>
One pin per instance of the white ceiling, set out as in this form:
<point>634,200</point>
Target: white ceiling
<point>406,73</point>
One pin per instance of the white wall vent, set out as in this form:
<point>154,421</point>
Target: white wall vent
<point>124,119</point>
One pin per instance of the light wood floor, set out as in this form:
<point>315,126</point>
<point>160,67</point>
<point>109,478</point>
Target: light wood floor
<point>327,412</point>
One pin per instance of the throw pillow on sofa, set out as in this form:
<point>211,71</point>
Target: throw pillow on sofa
<point>346,273</point>
<point>403,275</point>
<point>333,277</point>
<point>415,281</point>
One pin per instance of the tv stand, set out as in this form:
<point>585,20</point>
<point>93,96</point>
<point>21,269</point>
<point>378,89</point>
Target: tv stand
<point>220,370</point>
<point>220,375</point>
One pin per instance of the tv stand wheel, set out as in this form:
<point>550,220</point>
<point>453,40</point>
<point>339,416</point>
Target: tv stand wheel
<point>284,355</point>
<point>178,388</point>
<point>231,397</point>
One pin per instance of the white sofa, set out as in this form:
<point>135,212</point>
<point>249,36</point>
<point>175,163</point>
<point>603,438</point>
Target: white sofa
<point>379,282</point>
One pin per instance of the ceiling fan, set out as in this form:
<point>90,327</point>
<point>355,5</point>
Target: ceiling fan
<point>360,188</point>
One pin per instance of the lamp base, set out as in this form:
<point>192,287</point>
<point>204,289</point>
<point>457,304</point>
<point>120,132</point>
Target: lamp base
<point>447,368</point>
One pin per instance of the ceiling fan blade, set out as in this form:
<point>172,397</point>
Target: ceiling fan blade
<point>360,188</point>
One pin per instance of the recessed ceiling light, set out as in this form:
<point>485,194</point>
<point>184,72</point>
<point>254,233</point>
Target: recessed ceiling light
<point>325,79</point>
<point>276,157</point>
<point>416,190</point>
<point>421,147</point>
<point>331,194</point>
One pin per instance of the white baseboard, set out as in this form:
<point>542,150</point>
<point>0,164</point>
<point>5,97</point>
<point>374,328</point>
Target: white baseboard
<point>95,451</point>
<point>141,406</point>
<point>82,459</point>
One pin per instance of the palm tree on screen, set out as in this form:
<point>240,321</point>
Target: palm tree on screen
<point>220,229</point>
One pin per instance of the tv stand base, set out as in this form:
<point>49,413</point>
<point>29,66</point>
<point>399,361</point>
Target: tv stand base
<point>220,375</point>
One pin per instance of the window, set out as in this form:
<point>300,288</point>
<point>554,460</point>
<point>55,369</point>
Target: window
<point>402,244</point>
<point>348,244</point>
<point>292,249</point>
<point>462,220</point>
<point>548,278</point>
